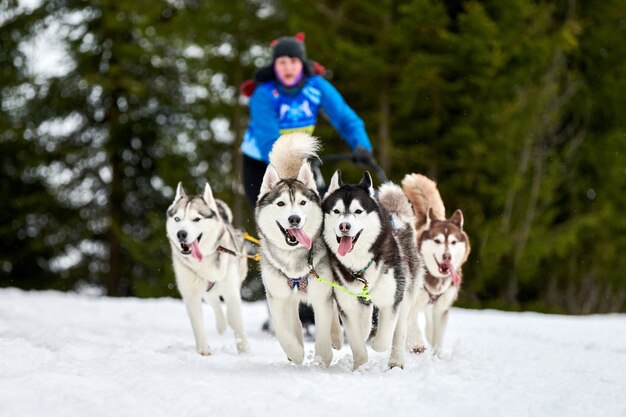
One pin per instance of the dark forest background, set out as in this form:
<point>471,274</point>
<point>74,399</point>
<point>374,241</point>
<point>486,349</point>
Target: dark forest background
<point>516,108</point>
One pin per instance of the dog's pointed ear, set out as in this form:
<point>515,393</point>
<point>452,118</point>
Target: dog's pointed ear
<point>208,197</point>
<point>367,183</point>
<point>457,218</point>
<point>335,183</point>
<point>306,177</point>
<point>180,192</point>
<point>270,179</point>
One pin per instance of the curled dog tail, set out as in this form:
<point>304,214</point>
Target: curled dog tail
<point>423,194</point>
<point>394,201</point>
<point>290,151</point>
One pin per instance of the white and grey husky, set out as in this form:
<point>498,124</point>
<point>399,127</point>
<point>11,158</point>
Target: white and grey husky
<point>444,247</point>
<point>206,252</point>
<point>372,244</point>
<point>289,220</point>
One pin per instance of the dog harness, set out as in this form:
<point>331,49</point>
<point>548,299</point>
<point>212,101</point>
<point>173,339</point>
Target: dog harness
<point>432,298</point>
<point>363,294</point>
<point>299,284</point>
<point>255,257</point>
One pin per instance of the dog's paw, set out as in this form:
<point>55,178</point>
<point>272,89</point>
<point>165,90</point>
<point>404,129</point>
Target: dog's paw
<point>205,351</point>
<point>317,360</point>
<point>380,345</point>
<point>242,346</point>
<point>358,362</point>
<point>396,364</point>
<point>297,360</point>
<point>356,366</point>
<point>220,326</point>
<point>438,353</point>
<point>324,356</point>
<point>417,349</point>
<point>296,357</point>
<point>336,341</point>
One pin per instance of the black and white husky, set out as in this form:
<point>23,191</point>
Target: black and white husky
<point>372,243</point>
<point>444,247</point>
<point>206,252</point>
<point>289,220</point>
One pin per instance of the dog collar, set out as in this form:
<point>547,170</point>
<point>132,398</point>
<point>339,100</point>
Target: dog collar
<point>359,274</point>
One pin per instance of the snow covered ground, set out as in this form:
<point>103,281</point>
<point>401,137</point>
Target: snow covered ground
<point>74,355</point>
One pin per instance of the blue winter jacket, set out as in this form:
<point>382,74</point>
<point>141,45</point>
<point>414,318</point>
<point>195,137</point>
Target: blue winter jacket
<point>275,111</point>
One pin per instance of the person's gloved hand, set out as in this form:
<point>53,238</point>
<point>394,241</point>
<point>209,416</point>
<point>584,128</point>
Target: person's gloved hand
<point>362,156</point>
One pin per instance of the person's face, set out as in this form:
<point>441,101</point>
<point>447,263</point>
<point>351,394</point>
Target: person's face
<point>288,69</point>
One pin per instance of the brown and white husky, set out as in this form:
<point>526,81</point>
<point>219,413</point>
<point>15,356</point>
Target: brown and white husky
<point>444,248</point>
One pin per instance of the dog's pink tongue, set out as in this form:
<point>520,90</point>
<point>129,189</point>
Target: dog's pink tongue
<point>301,237</point>
<point>456,279</point>
<point>195,250</point>
<point>345,245</point>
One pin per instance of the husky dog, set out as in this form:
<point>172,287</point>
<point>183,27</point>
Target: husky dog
<point>444,248</point>
<point>289,220</point>
<point>372,245</point>
<point>207,264</point>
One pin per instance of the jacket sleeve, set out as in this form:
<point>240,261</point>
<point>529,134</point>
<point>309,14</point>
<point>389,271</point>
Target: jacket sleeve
<point>349,125</point>
<point>264,120</point>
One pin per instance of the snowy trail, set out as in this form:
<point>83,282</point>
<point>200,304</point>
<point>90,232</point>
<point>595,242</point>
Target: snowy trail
<point>74,355</point>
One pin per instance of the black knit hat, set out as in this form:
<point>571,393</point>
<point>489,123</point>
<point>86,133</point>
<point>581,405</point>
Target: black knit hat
<point>288,46</point>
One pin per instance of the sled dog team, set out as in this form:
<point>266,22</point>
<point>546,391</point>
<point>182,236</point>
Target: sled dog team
<point>355,249</point>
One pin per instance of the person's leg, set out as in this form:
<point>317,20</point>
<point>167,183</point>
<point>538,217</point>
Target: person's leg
<point>253,171</point>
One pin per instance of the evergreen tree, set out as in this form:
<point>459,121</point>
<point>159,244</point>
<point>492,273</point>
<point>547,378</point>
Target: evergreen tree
<point>485,97</point>
<point>513,107</point>
<point>142,111</point>
<point>31,226</point>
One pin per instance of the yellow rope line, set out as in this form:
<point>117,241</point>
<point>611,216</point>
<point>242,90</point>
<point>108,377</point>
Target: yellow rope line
<point>251,239</point>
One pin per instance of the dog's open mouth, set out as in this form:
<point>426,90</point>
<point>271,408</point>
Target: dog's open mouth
<point>295,236</point>
<point>193,249</point>
<point>346,243</point>
<point>446,268</point>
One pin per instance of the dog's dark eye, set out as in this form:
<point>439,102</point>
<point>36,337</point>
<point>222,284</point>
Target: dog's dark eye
<point>453,242</point>
<point>303,202</point>
<point>176,219</point>
<point>336,211</point>
<point>358,211</point>
<point>197,219</point>
<point>280,203</point>
<point>437,241</point>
